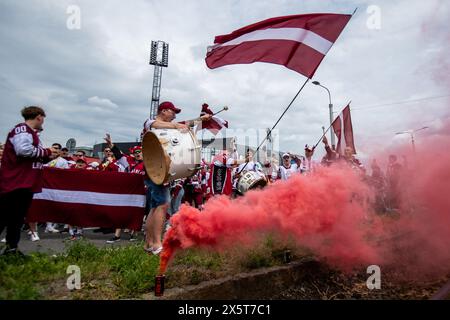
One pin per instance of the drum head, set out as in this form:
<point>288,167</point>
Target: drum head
<point>156,161</point>
<point>258,184</point>
<point>250,181</point>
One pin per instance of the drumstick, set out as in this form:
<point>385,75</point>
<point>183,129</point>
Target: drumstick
<point>223,109</point>
<point>200,118</point>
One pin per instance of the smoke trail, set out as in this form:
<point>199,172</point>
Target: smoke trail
<point>326,211</point>
<point>331,213</point>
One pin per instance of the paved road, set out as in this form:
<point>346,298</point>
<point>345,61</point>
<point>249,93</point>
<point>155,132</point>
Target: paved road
<point>52,243</point>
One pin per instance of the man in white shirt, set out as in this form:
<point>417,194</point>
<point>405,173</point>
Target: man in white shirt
<point>287,169</point>
<point>60,162</point>
<point>160,194</point>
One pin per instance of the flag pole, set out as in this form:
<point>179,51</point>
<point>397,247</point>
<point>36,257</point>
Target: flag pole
<point>279,119</point>
<point>325,132</point>
<point>356,9</point>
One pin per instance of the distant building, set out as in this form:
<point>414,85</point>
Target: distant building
<point>210,148</point>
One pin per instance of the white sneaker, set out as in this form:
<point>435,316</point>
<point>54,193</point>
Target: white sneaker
<point>3,240</point>
<point>34,237</point>
<point>51,230</point>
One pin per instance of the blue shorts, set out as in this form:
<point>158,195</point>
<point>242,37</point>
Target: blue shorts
<point>157,195</point>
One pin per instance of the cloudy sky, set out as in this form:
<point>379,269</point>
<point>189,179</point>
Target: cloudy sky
<point>96,79</point>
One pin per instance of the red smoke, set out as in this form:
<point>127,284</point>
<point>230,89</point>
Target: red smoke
<point>330,212</point>
<point>326,211</point>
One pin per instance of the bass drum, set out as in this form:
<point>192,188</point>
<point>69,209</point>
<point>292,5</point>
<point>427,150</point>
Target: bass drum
<point>251,180</point>
<point>170,154</point>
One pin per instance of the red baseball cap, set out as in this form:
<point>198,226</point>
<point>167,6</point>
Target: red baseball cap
<point>134,149</point>
<point>168,105</point>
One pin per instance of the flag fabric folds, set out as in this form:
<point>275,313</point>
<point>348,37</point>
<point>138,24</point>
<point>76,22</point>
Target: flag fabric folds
<point>343,128</point>
<point>299,42</point>
<point>215,124</point>
<point>86,198</point>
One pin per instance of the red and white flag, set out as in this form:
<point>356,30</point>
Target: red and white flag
<point>299,42</point>
<point>215,124</point>
<point>86,198</point>
<point>343,128</point>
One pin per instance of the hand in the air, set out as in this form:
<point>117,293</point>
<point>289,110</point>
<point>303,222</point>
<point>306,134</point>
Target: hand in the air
<point>108,140</point>
<point>206,117</point>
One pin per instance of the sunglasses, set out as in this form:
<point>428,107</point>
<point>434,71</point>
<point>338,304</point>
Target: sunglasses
<point>138,152</point>
<point>77,155</point>
<point>107,150</point>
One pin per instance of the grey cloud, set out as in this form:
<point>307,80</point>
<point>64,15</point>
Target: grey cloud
<point>44,62</point>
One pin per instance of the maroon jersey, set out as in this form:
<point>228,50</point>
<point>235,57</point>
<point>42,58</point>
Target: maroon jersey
<point>138,167</point>
<point>22,161</point>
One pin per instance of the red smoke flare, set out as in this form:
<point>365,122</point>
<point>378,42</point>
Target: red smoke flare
<point>326,211</point>
<point>330,212</point>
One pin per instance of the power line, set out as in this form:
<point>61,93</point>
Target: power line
<point>401,102</point>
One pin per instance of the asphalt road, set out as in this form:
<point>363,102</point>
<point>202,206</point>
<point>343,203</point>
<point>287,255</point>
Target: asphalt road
<point>54,243</point>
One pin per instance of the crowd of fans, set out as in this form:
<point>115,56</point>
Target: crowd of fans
<point>199,188</point>
<point>196,190</point>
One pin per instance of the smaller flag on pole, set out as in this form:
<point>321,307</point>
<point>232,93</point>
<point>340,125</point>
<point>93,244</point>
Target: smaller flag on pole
<point>343,128</point>
<point>215,124</point>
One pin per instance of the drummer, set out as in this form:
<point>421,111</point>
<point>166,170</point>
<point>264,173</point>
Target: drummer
<point>160,194</point>
<point>249,165</point>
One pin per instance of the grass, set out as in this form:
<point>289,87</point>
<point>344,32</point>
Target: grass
<point>124,272</point>
<point>121,272</point>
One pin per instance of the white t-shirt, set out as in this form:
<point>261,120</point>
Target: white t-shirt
<point>148,124</point>
<point>59,163</point>
<point>251,166</point>
<point>286,173</point>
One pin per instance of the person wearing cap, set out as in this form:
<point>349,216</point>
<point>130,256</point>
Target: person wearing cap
<point>287,169</point>
<point>160,194</point>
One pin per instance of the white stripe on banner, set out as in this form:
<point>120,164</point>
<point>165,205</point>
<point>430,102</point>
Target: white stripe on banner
<point>304,36</point>
<point>94,198</point>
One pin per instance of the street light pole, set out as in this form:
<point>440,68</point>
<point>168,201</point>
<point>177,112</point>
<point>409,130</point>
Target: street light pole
<point>411,133</point>
<point>330,106</point>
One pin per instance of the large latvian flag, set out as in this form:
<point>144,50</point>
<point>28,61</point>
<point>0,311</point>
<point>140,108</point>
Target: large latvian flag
<point>299,42</point>
<point>86,198</point>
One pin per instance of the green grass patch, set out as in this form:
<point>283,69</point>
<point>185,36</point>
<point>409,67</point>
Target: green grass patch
<point>121,272</point>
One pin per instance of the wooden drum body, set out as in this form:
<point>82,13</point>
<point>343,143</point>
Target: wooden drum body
<point>170,154</point>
